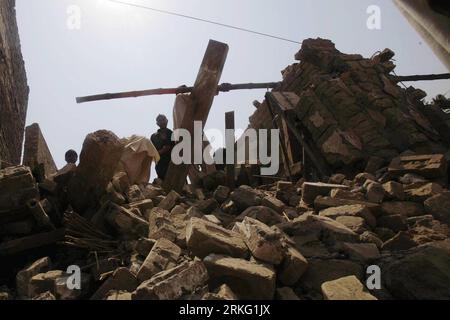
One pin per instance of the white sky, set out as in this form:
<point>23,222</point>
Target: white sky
<point>120,48</point>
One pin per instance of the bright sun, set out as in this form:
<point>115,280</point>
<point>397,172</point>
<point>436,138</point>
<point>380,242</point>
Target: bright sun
<point>115,10</point>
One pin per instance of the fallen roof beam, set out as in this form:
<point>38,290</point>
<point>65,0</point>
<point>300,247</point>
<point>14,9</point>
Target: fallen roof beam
<point>423,77</point>
<point>205,89</point>
<point>224,87</point>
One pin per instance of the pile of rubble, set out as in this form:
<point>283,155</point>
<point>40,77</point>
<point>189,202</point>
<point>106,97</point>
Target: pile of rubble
<point>380,234</point>
<point>281,241</point>
<point>352,111</point>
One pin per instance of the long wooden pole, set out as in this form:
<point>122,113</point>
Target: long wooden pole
<point>224,87</point>
<point>423,77</point>
<point>230,168</point>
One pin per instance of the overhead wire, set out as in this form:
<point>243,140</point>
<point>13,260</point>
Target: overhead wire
<point>204,20</point>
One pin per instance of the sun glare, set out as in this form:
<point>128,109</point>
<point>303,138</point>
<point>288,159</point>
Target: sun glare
<point>120,11</point>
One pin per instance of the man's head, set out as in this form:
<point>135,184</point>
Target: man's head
<point>162,121</point>
<point>71,156</point>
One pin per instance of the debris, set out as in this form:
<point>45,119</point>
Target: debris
<point>348,288</point>
<point>364,252</point>
<point>312,190</point>
<point>121,280</point>
<point>170,201</point>
<point>99,158</point>
<point>324,270</point>
<point>174,283</point>
<point>204,238</point>
<point>223,293</point>
<point>36,155</point>
<point>221,194</point>
<point>356,210</point>
<point>428,166</point>
<point>354,191</point>
<point>439,207</point>
<point>264,214</point>
<point>401,241</point>
<point>249,280</point>
<point>263,242</point>
<point>126,222</point>
<point>405,208</point>
<point>17,187</point>
<point>395,222</point>
<point>164,255</point>
<point>422,192</point>
<point>24,276</point>
<point>420,274</point>
<point>245,197</point>
<point>394,190</point>
<point>294,265</point>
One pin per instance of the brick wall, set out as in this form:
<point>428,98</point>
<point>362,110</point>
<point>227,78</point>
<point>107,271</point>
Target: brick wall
<point>13,86</point>
<point>353,109</point>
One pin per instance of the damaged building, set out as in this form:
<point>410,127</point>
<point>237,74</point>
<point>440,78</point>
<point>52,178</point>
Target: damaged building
<point>13,87</point>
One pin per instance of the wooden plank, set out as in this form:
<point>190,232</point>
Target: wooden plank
<point>276,123</point>
<point>203,93</point>
<point>224,87</point>
<point>284,103</point>
<point>31,242</point>
<point>230,168</point>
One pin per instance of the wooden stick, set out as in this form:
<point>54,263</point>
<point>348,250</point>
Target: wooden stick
<point>230,168</point>
<point>205,89</point>
<point>422,77</point>
<point>224,87</point>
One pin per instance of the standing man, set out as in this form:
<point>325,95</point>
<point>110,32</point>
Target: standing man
<point>164,144</point>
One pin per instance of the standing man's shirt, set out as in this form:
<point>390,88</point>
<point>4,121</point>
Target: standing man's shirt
<point>162,140</point>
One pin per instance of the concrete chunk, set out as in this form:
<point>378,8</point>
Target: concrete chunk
<point>99,158</point>
<point>364,252</point>
<point>356,210</point>
<point>122,279</point>
<point>293,267</point>
<point>126,222</point>
<point>24,276</point>
<point>160,225</point>
<point>173,283</point>
<point>164,255</point>
<point>249,280</point>
<point>348,288</point>
<point>428,166</point>
<point>36,152</point>
<point>204,238</point>
<point>263,242</point>
<point>310,190</point>
<point>439,207</point>
<point>170,201</point>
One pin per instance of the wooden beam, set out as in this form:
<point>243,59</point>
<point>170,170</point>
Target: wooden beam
<point>224,87</point>
<point>275,124</point>
<point>31,242</point>
<point>230,168</point>
<point>422,77</point>
<point>283,103</point>
<point>203,93</point>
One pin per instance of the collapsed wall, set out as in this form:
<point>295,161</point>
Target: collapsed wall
<point>352,108</point>
<point>13,86</point>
